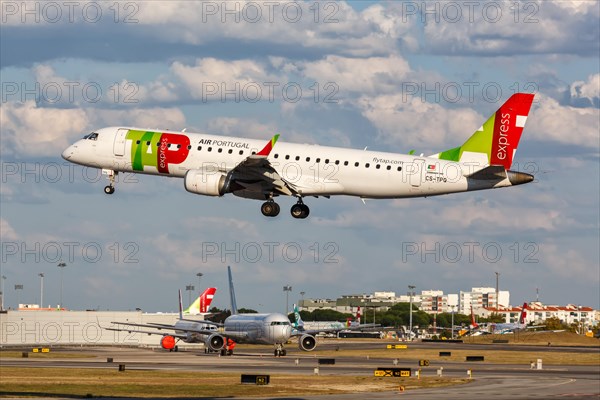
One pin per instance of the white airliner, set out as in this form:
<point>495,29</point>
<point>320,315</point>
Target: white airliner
<point>215,165</point>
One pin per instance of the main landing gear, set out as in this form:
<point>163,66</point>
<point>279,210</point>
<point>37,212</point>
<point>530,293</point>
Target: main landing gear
<point>279,350</point>
<point>300,210</point>
<point>271,209</point>
<point>110,188</point>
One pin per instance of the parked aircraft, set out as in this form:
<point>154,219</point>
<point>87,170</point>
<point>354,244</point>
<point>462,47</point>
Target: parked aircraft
<point>521,324</point>
<point>183,329</point>
<point>215,165</point>
<point>329,326</point>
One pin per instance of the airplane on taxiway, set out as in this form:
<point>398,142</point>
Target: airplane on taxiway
<point>250,328</point>
<point>215,165</point>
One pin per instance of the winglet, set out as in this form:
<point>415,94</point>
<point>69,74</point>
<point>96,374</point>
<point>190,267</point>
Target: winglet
<point>269,146</point>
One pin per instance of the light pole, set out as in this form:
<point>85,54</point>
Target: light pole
<point>497,292</point>
<point>302,298</point>
<point>2,292</point>
<point>18,287</point>
<point>287,289</point>
<point>452,326</point>
<point>411,288</point>
<point>61,265</point>
<point>190,289</point>
<point>41,275</point>
<point>199,275</point>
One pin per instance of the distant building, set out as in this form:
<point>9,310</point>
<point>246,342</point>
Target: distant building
<point>482,297</point>
<point>537,313</point>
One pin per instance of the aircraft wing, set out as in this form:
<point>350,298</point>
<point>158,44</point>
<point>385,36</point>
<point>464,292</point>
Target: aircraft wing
<point>300,332</point>
<point>126,328</point>
<point>134,330</point>
<point>255,176</point>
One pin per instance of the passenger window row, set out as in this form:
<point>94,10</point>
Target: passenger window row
<point>276,155</point>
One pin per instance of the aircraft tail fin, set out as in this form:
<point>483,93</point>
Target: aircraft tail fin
<point>202,302</point>
<point>523,315</point>
<point>298,323</point>
<point>358,315</point>
<point>232,293</point>
<point>474,324</point>
<point>496,142</point>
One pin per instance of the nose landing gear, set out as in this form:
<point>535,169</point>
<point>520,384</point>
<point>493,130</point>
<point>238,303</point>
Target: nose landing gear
<point>279,350</point>
<point>110,188</point>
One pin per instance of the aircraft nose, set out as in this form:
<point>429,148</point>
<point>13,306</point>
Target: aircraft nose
<point>68,152</point>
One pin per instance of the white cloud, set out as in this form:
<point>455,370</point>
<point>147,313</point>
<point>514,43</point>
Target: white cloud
<point>31,130</point>
<point>210,75</point>
<point>505,28</point>
<point>564,124</point>
<point>334,25</point>
<point>239,127</point>
<point>409,121</point>
<point>364,75</point>
<point>589,89</point>
<point>6,231</point>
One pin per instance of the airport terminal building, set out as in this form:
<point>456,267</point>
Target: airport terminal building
<point>53,327</point>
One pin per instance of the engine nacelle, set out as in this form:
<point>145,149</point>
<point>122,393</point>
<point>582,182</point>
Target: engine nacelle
<point>307,342</point>
<point>208,183</point>
<point>215,342</point>
<point>167,342</point>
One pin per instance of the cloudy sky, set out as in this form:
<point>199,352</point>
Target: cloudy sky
<point>393,76</point>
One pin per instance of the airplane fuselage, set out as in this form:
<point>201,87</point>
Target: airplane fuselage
<point>271,328</point>
<point>314,170</point>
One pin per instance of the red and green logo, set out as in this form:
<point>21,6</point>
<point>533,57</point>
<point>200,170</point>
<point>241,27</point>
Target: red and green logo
<point>156,149</point>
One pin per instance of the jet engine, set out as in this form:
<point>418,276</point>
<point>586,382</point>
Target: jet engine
<point>215,342</point>
<point>167,342</point>
<point>207,183</point>
<point>307,342</point>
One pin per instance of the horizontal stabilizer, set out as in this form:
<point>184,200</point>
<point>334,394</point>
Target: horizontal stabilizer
<point>490,173</point>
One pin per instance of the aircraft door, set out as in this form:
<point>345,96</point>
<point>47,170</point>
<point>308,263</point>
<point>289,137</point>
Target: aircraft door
<point>416,175</point>
<point>119,145</point>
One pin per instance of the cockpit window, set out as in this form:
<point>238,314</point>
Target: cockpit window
<point>91,136</point>
<point>279,323</point>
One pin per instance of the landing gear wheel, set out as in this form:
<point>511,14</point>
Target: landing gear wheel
<point>283,352</point>
<point>300,211</point>
<point>270,209</point>
<point>108,189</point>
